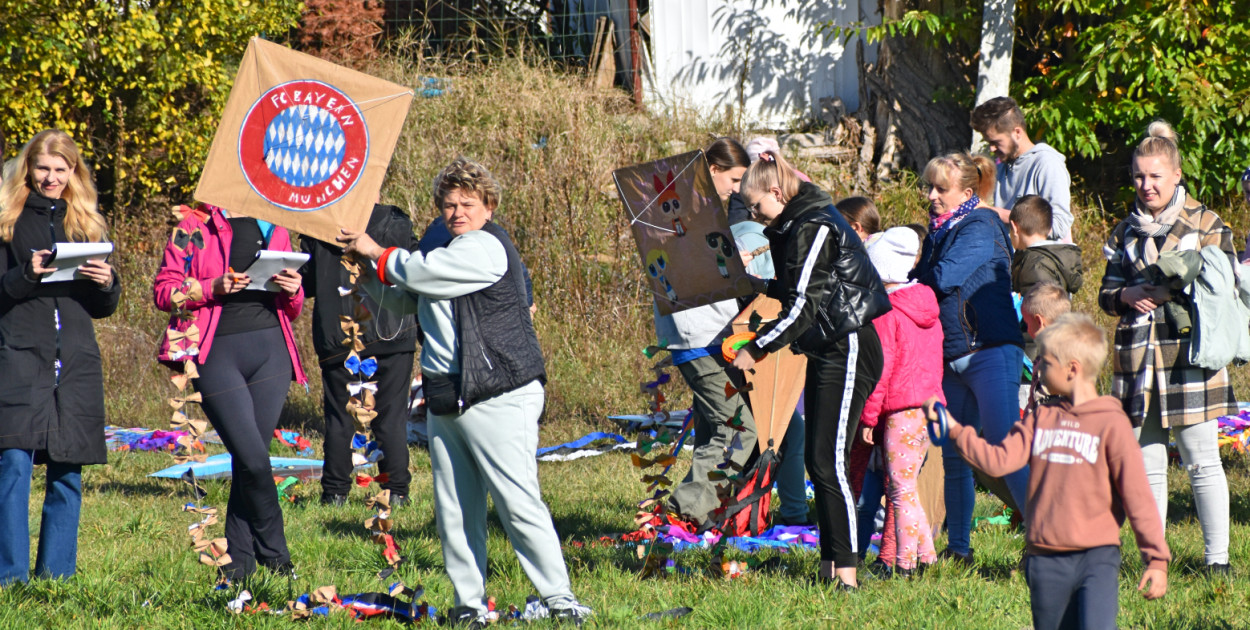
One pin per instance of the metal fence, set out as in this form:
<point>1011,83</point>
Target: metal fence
<point>602,36</point>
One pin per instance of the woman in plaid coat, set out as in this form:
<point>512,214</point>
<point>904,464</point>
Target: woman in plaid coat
<point>1161,391</point>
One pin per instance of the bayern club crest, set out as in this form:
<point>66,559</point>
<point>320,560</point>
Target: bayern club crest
<point>303,145</point>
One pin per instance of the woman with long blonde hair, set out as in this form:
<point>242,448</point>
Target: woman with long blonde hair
<point>52,394</point>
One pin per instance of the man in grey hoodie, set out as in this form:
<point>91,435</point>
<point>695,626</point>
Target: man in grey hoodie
<point>1024,167</point>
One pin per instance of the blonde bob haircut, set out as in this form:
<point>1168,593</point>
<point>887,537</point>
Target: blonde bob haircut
<point>83,221</point>
<point>467,176</point>
<point>1075,337</point>
<point>960,171</point>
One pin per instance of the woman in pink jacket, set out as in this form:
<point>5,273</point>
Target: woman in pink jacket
<point>911,340</point>
<point>243,348</point>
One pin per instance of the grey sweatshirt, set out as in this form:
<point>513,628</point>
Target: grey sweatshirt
<point>427,284</point>
<point>1040,171</point>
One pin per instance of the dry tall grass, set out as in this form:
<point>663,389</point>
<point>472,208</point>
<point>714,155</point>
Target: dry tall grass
<point>553,143</point>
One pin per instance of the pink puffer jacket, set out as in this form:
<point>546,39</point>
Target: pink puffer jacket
<point>202,265</point>
<point>911,340</point>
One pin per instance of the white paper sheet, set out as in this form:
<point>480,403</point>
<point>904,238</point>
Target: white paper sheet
<point>268,264</point>
<point>69,256</point>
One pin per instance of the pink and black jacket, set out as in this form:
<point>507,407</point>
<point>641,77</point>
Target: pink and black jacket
<point>204,258</point>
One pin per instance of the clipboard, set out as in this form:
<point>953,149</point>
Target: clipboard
<point>67,257</point>
<point>270,263</point>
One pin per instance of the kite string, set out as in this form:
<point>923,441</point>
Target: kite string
<point>634,217</point>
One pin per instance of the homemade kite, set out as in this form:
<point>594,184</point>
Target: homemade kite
<point>682,232</point>
<point>303,143</point>
<point>776,383</point>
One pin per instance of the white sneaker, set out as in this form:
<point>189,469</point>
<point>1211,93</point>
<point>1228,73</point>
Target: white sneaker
<point>573,611</point>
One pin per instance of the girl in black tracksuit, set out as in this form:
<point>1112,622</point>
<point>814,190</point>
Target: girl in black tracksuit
<point>830,293</point>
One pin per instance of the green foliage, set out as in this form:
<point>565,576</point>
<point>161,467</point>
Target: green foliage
<point>139,85</point>
<point>1091,74</point>
<point>947,28</point>
<point>1138,61</point>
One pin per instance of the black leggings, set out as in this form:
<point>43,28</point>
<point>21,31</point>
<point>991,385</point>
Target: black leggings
<point>852,368</point>
<point>390,428</point>
<point>244,380</point>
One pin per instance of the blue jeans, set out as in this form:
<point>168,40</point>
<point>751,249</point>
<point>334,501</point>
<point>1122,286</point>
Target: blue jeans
<point>982,391</point>
<point>869,507</point>
<point>792,473</point>
<point>58,528</point>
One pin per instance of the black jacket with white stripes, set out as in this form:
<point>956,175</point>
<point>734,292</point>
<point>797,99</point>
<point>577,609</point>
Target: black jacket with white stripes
<point>826,283</point>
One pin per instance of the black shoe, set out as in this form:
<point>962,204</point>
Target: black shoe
<point>798,522</point>
<point>1218,569</point>
<point>464,617</point>
<point>398,501</point>
<point>336,500</point>
<point>951,554</point>
<point>879,570</point>
<point>286,570</point>
<point>833,582</point>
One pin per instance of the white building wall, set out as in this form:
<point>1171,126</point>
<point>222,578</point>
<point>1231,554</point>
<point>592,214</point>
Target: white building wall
<point>700,47</point>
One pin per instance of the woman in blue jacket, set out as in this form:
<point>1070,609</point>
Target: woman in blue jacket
<point>966,260</point>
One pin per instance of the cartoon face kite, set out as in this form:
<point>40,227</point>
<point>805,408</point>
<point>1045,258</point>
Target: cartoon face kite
<point>657,264</point>
<point>724,248</point>
<point>668,200</point>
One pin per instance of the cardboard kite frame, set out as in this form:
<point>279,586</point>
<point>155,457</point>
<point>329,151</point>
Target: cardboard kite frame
<point>303,143</point>
<point>682,233</point>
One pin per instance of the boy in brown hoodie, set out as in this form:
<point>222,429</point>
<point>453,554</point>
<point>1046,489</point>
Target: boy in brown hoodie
<point>1085,475</point>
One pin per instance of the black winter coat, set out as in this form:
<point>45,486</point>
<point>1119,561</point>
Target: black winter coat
<point>62,422</point>
<point>826,283</point>
<point>324,274</point>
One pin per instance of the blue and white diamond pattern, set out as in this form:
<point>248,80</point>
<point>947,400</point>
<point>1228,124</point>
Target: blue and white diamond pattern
<point>304,145</point>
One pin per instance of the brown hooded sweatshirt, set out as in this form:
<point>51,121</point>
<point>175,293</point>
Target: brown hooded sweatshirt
<point>1085,475</point>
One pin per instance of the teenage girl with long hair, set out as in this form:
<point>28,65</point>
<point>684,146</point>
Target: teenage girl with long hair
<point>830,293</point>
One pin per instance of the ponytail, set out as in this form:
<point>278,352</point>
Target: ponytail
<point>987,172</point>
<point>963,172</point>
<point>771,170</point>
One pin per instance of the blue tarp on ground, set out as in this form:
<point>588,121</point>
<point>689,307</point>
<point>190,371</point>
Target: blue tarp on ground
<point>218,467</point>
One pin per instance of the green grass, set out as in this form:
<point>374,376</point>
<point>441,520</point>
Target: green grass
<point>137,570</point>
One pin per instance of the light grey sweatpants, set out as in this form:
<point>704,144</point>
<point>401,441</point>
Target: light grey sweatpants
<point>491,447</point>
<point>1200,454</point>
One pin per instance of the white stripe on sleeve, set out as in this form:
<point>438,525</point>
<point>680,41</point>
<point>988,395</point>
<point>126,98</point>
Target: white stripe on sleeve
<point>804,278</point>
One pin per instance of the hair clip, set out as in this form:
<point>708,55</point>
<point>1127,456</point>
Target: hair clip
<point>767,156</point>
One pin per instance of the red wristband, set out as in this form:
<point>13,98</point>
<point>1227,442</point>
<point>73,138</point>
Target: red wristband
<point>382,265</point>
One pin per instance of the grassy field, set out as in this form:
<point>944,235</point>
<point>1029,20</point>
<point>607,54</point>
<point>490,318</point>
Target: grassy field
<point>136,568</point>
<point>553,143</point>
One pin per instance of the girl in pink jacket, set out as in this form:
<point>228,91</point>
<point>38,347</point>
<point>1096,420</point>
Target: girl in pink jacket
<point>911,340</point>
<point>242,348</point>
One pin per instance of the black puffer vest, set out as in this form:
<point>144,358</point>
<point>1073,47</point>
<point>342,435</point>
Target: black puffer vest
<point>499,351</point>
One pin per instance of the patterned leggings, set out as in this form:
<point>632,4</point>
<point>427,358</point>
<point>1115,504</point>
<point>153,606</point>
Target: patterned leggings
<point>905,444</point>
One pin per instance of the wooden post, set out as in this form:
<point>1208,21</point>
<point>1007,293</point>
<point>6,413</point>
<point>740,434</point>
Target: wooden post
<point>634,57</point>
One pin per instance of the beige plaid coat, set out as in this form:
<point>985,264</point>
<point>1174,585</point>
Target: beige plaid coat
<point>1151,357</point>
